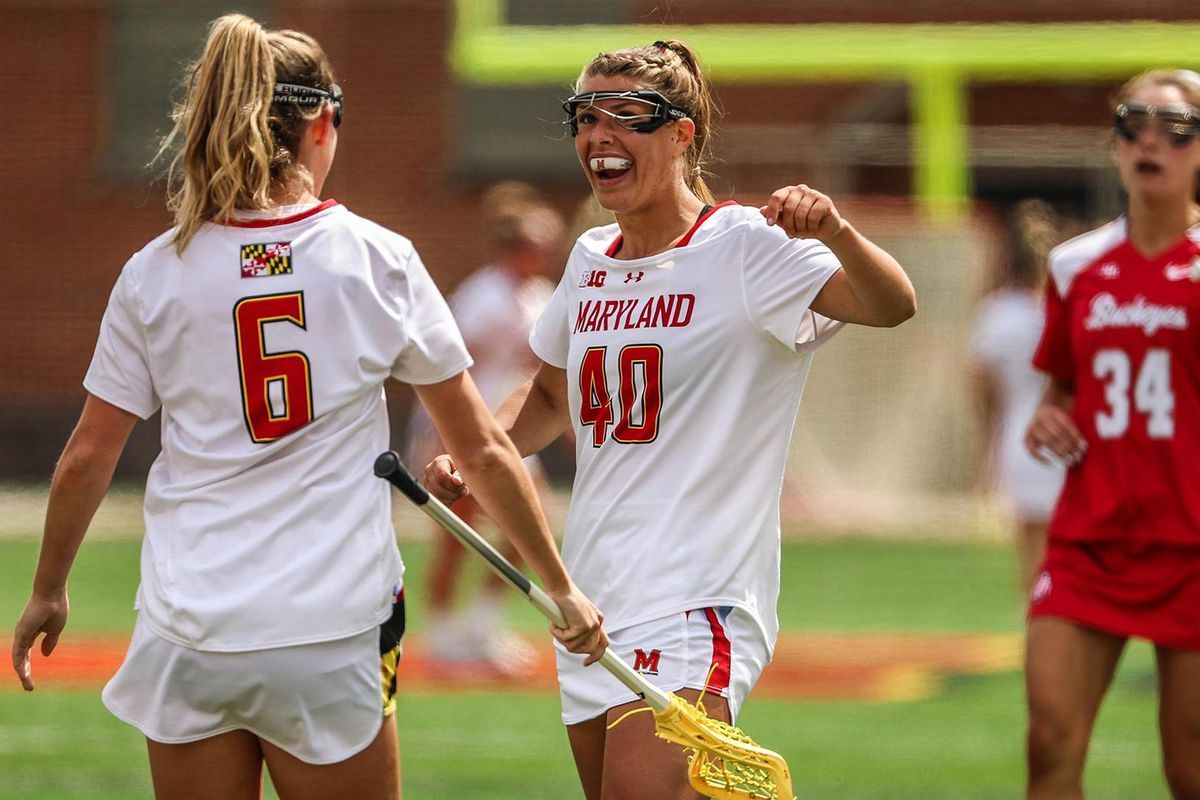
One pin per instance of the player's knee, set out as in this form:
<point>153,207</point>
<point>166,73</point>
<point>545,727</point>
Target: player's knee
<point>1054,745</point>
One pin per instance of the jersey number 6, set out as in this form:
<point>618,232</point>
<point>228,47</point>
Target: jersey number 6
<point>276,387</point>
<point>639,367</point>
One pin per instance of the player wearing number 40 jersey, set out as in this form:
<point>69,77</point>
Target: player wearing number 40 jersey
<point>676,346</point>
<point>264,326</point>
<point>668,359</point>
<point>1122,348</point>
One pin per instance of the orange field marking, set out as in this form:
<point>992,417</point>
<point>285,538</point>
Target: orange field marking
<point>807,666</point>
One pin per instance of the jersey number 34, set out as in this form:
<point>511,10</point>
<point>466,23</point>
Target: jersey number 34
<point>1151,395</point>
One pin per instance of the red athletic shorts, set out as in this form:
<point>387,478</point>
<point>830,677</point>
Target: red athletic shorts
<point>1140,589</point>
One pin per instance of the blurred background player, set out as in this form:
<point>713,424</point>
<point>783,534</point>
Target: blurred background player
<point>264,326</point>
<point>1007,388</point>
<point>676,346</point>
<point>495,308</point>
<point>1122,349</point>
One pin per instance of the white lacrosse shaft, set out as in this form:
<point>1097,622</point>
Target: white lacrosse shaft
<point>389,467</point>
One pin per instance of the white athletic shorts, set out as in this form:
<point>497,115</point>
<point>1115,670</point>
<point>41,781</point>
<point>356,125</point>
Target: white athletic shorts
<point>718,650</point>
<point>321,702</point>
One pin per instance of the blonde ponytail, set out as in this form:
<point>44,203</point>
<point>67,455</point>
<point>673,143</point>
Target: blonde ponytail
<point>235,144</point>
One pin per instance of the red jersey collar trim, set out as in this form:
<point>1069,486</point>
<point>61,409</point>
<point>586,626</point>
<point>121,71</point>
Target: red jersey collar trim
<point>271,223</point>
<point>615,247</point>
<point>687,237</point>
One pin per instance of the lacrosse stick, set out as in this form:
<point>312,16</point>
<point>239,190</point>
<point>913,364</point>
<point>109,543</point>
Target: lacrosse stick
<point>724,763</point>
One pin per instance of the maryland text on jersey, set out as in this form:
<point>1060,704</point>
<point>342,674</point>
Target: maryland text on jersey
<point>659,311</point>
<point>264,260</point>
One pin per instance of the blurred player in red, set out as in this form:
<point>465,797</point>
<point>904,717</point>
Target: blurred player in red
<point>264,326</point>
<point>494,308</point>
<point>676,347</point>
<point>1005,335</point>
<point>1122,348</point>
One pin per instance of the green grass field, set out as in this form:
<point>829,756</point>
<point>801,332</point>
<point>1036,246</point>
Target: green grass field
<point>964,742</point>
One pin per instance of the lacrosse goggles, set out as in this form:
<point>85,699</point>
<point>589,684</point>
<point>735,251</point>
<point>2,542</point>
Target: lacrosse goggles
<point>297,95</point>
<point>1180,123</point>
<point>581,110</point>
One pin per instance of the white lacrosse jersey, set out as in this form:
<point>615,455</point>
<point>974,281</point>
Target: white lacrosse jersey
<point>1004,336</point>
<point>266,346</point>
<point>684,374</point>
<point>495,311</point>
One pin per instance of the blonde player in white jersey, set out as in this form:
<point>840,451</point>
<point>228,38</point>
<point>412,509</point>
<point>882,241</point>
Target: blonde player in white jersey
<point>264,325</point>
<point>1004,336</point>
<point>677,346</point>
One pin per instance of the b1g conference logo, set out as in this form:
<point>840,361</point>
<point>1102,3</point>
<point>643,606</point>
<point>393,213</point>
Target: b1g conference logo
<point>592,278</point>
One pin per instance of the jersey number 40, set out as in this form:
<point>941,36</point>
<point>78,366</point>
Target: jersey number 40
<point>276,387</point>
<point>639,389</point>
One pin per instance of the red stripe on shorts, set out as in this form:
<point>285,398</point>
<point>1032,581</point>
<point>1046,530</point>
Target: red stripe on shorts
<point>718,680</point>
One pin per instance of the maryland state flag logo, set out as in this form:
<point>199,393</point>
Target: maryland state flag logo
<point>263,260</point>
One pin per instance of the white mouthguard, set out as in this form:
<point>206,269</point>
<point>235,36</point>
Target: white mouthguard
<point>598,164</point>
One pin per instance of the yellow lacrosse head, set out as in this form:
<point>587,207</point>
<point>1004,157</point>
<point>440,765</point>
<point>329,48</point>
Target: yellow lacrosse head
<point>725,763</point>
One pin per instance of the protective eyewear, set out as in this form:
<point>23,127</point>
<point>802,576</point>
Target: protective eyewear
<point>583,111</point>
<point>297,95</point>
<point>1180,123</point>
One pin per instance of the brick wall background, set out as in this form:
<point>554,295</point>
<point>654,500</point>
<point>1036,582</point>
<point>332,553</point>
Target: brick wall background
<point>68,222</point>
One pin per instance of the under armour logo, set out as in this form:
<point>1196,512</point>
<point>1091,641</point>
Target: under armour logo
<point>635,277</point>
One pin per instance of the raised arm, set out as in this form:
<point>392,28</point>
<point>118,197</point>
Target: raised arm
<point>871,288</point>
<point>485,455</point>
<point>80,481</point>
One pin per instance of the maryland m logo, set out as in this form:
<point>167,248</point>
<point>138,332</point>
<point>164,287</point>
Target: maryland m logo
<point>646,663</point>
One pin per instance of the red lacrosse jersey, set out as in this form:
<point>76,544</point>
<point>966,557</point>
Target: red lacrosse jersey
<point>1125,330</point>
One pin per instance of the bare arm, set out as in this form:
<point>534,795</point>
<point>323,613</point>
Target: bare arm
<point>491,464</point>
<point>80,481</point>
<point>534,416</point>
<point>537,413</point>
<point>871,288</point>
<point>1052,429</point>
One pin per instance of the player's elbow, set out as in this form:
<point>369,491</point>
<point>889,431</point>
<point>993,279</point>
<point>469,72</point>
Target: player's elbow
<point>488,457</point>
<point>902,306</point>
<point>904,310</point>
<point>84,461</point>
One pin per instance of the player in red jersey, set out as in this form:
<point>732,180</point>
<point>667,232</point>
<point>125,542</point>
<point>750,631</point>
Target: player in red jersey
<point>1122,348</point>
